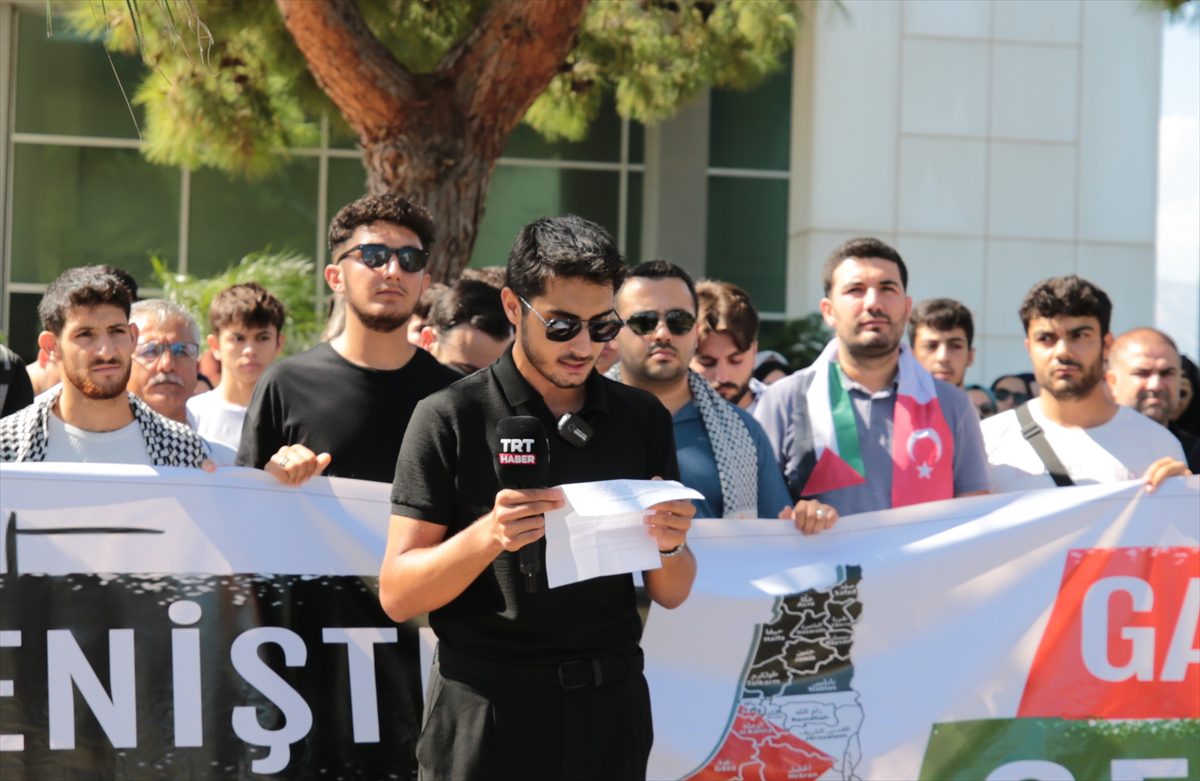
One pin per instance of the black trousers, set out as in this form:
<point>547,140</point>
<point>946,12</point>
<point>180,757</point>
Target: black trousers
<point>496,727</point>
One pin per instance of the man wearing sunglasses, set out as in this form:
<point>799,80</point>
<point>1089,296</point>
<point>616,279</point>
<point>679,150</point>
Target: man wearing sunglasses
<point>548,683</point>
<point>91,417</point>
<point>343,406</point>
<point>723,453</point>
<point>165,360</point>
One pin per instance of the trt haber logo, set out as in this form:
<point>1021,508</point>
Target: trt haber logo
<point>516,451</point>
<point>1123,640</point>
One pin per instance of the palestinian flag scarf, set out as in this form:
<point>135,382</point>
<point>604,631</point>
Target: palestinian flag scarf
<point>922,447</point>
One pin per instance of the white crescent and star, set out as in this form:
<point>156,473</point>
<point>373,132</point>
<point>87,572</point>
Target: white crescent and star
<point>925,471</point>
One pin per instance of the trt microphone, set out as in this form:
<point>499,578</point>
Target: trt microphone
<point>523,461</point>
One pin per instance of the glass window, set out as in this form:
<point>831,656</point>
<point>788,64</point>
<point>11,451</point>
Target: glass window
<point>347,182</point>
<point>74,206</point>
<point>232,217</point>
<point>66,86</point>
<point>633,221</point>
<point>602,143</point>
<point>520,195</point>
<point>637,142</point>
<point>24,325</point>
<point>747,237</point>
<point>752,129</point>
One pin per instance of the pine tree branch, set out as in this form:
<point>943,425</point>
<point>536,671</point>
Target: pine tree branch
<point>370,87</point>
<point>505,62</point>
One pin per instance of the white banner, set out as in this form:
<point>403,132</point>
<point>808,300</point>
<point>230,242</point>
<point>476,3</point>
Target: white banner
<point>1049,635</point>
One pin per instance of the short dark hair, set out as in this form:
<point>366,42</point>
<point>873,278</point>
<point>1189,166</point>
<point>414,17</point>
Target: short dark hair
<point>726,308</point>
<point>248,304</point>
<point>863,247</point>
<point>493,275</point>
<point>385,207</point>
<point>665,269</point>
<point>428,299</point>
<point>567,246</point>
<point>941,314</point>
<point>1069,296</point>
<point>126,278</point>
<point>82,287</point>
<point>474,303</point>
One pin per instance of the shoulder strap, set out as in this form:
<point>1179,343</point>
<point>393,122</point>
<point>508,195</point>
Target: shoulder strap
<point>1037,438</point>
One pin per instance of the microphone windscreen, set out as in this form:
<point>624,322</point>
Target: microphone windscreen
<point>522,452</point>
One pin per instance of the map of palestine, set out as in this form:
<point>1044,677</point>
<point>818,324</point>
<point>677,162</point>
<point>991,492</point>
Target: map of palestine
<point>797,717</point>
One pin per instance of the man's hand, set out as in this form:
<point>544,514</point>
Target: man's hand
<point>1162,469</point>
<point>810,516</point>
<point>518,516</point>
<point>669,523</point>
<point>294,464</point>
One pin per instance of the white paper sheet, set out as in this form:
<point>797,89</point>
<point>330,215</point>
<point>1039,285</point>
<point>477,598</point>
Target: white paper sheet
<point>600,530</point>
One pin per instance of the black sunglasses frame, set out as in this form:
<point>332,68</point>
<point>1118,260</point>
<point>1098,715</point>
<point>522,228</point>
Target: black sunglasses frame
<point>376,256</point>
<point>564,329</point>
<point>1003,394</point>
<point>679,321</point>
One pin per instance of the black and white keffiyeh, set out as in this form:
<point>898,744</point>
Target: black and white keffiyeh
<point>24,434</point>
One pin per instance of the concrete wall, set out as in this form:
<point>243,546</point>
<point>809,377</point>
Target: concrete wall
<point>995,143</point>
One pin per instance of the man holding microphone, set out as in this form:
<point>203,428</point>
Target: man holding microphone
<point>532,682</point>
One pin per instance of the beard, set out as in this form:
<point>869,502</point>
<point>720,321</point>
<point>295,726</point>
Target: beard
<point>94,390</point>
<point>545,366</point>
<point>731,392</point>
<point>1159,413</point>
<point>384,323</point>
<point>1070,389</point>
<point>653,371</point>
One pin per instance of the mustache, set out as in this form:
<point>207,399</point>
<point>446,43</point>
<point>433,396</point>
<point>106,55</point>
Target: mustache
<point>1068,362</point>
<point>663,346</point>
<point>1152,394</point>
<point>104,364</point>
<point>165,377</point>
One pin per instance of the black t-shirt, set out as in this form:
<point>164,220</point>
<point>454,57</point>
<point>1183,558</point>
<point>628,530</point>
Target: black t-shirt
<point>446,475</point>
<point>322,401</point>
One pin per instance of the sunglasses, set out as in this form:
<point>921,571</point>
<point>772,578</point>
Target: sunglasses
<point>149,352</point>
<point>679,322</point>
<point>564,329</point>
<point>1004,395</point>
<point>986,410</point>
<point>377,256</point>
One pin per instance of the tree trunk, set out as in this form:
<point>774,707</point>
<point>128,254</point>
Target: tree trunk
<point>452,183</point>
<point>435,137</point>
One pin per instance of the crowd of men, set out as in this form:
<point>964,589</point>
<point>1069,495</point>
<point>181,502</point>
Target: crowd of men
<point>664,376</point>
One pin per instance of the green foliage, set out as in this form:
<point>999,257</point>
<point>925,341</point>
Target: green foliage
<point>227,87</point>
<point>656,55</point>
<point>800,341</point>
<point>289,277</point>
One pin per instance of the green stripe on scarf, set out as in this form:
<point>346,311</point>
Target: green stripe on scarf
<point>844,426</point>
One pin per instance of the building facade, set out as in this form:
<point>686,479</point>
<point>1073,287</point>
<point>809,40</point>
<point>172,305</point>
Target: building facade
<point>994,143</point>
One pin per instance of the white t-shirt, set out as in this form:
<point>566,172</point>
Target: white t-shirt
<point>217,420</point>
<point>1121,449</point>
<point>123,446</point>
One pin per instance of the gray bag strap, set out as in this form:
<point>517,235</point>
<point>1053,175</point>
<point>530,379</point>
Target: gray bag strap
<point>1035,436</point>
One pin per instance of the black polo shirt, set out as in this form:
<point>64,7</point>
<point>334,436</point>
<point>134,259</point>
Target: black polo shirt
<point>446,475</point>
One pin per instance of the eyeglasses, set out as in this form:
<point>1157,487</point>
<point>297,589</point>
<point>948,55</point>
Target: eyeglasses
<point>149,352</point>
<point>679,322</point>
<point>564,329</point>
<point>1002,394</point>
<point>377,256</point>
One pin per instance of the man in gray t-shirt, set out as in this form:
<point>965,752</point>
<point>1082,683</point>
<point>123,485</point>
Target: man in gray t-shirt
<point>837,447</point>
